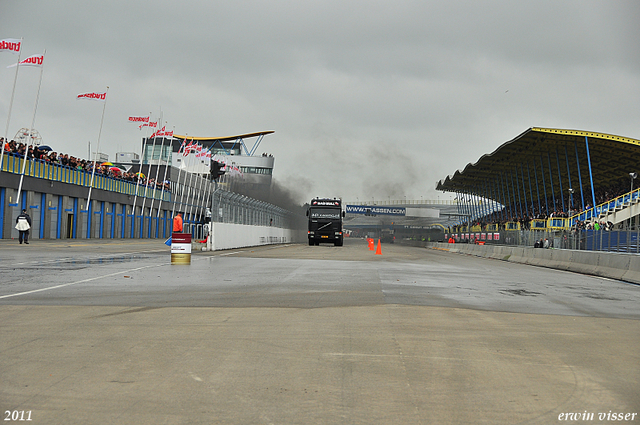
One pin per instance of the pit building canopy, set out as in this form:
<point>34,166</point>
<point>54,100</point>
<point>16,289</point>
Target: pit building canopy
<point>223,139</point>
<point>545,163</point>
<point>227,142</point>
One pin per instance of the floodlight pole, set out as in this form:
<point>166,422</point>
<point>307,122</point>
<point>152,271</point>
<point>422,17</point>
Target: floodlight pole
<point>571,196</point>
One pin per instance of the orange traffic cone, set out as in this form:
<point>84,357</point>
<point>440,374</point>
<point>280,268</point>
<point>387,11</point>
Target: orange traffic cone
<point>378,250</point>
<point>371,248</point>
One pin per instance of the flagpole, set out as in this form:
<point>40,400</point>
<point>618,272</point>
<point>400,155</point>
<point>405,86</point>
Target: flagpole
<point>203,188</point>
<point>196,197</point>
<point>146,186</point>
<point>197,200</point>
<point>185,188</point>
<point>33,122</point>
<point>164,179</point>
<point>153,199</point>
<point>184,144</point>
<point>190,180</point>
<point>135,197</point>
<point>187,150</point>
<point>35,108</point>
<point>93,172</point>
<point>201,199</point>
<point>13,91</point>
<point>207,184</point>
<point>206,201</point>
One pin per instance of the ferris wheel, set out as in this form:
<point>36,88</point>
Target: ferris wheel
<point>28,136</point>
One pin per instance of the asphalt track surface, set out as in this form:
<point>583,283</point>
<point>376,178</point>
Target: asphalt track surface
<point>110,332</point>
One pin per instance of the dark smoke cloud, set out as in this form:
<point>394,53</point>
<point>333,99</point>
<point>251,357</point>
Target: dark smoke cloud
<point>288,197</point>
<point>281,195</point>
<point>379,170</point>
<point>390,175</point>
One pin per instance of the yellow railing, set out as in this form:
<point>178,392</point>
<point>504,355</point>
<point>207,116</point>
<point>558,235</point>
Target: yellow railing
<point>558,223</point>
<point>59,173</point>
<point>512,225</point>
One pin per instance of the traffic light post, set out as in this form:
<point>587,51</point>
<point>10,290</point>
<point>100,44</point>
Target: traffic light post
<point>217,170</point>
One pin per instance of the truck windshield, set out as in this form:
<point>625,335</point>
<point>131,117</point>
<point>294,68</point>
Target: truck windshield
<point>324,213</point>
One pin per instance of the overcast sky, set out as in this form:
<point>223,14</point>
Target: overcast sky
<point>368,99</point>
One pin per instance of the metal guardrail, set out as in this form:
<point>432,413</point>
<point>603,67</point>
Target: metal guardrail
<point>231,207</point>
<point>585,240</point>
<point>407,202</point>
<point>198,231</point>
<point>627,241</point>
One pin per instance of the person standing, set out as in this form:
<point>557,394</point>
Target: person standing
<point>177,223</point>
<point>23,224</point>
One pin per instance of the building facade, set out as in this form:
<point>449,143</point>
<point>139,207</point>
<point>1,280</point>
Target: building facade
<point>245,172</point>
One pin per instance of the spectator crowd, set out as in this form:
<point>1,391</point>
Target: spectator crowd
<point>105,169</point>
<point>512,213</point>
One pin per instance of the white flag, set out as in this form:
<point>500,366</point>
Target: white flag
<point>35,60</point>
<point>11,44</point>
<point>139,119</point>
<point>101,97</point>
<point>149,124</point>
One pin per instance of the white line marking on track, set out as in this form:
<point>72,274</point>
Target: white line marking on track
<point>80,281</point>
<point>100,277</point>
<point>229,253</point>
<point>93,257</point>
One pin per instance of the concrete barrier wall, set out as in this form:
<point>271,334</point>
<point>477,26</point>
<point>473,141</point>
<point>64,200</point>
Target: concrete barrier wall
<point>231,236</point>
<point>619,266</point>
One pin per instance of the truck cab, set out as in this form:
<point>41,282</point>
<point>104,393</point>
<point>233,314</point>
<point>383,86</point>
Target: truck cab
<point>325,221</point>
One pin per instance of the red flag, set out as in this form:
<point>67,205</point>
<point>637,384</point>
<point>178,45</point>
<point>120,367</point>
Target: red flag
<point>182,145</point>
<point>187,149</point>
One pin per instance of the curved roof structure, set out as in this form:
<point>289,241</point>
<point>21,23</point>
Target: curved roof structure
<point>224,139</point>
<point>541,155</point>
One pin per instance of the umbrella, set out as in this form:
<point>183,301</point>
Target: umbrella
<point>110,164</point>
<point>45,148</point>
<point>141,175</point>
<point>115,169</point>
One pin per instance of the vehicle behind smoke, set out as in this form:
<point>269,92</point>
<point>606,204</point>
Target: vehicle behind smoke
<point>387,236</point>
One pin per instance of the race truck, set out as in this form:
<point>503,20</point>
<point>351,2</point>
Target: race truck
<point>325,221</point>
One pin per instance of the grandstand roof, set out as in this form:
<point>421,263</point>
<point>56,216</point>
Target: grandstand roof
<point>224,139</point>
<point>612,159</point>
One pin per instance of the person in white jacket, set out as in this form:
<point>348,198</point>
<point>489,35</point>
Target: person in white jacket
<point>23,224</point>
